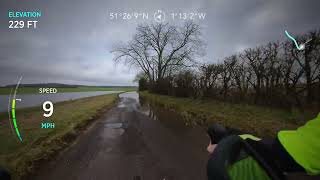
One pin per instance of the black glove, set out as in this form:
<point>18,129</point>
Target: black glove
<point>217,132</point>
<point>4,175</point>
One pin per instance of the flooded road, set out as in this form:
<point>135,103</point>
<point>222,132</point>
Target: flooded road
<point>133,142</point>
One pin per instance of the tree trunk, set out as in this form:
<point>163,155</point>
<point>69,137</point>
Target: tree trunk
<point>258,89</point>
<point>309,97</point>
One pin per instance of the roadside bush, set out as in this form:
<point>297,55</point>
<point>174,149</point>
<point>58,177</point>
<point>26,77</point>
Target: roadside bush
<point>184,84</point>
<point>143,84</point>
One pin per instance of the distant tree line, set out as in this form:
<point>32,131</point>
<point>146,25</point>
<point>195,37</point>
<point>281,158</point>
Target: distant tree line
<point>275,74</point>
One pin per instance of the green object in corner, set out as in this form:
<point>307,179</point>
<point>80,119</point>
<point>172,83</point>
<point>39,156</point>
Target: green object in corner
<point>303,145</point>
<point>249,136</point>
<point>247,169</point>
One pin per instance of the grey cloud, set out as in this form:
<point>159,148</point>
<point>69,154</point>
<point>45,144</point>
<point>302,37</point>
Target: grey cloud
<point>73,41</point>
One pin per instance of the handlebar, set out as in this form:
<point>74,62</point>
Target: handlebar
<point>4,175</point>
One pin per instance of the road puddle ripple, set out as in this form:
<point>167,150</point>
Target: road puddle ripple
<point>113,130</point>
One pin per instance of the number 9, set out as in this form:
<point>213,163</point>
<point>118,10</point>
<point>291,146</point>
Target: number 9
<point>48,110</point>
<point>21,23</point>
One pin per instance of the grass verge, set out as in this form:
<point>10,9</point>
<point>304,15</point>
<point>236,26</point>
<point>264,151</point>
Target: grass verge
<point>70,117</point>
<point>261,121</point>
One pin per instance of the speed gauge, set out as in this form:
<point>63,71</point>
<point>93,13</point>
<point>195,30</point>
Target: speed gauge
<point>14,101</point>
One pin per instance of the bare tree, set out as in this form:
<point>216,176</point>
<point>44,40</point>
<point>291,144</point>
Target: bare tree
<point>257,64</point>
<point>241,74</point>
<point>307,61</point>
<point>209,76</point>
<point>292,72</point>
<point>226,74</point>
<point>271,74</point>
<point>315,64</point>
<point>159,49</point>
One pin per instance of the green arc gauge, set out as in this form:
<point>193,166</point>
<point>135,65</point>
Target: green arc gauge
<point>13,105</point>
<point>13,110</point>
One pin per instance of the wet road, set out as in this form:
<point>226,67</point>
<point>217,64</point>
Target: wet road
<point>130,143</point>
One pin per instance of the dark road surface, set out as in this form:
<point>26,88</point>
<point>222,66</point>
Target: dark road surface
<point>128,144</point>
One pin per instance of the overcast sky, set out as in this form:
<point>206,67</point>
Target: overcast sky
<point>73,40</point>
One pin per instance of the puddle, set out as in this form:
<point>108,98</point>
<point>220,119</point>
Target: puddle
<point>132,95</point>
<point>129,101</point>
<point>112,133</point>
<point>128,95</point>
<point>114,125</point>
<point>185,128</point>
<point>113,130</point>
<point>169,119</point>
<point>121,105</point>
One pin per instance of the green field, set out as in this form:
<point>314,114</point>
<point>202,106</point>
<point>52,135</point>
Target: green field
<point>261,121</point>
<point>35,90</point>
<point>40,144</point>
